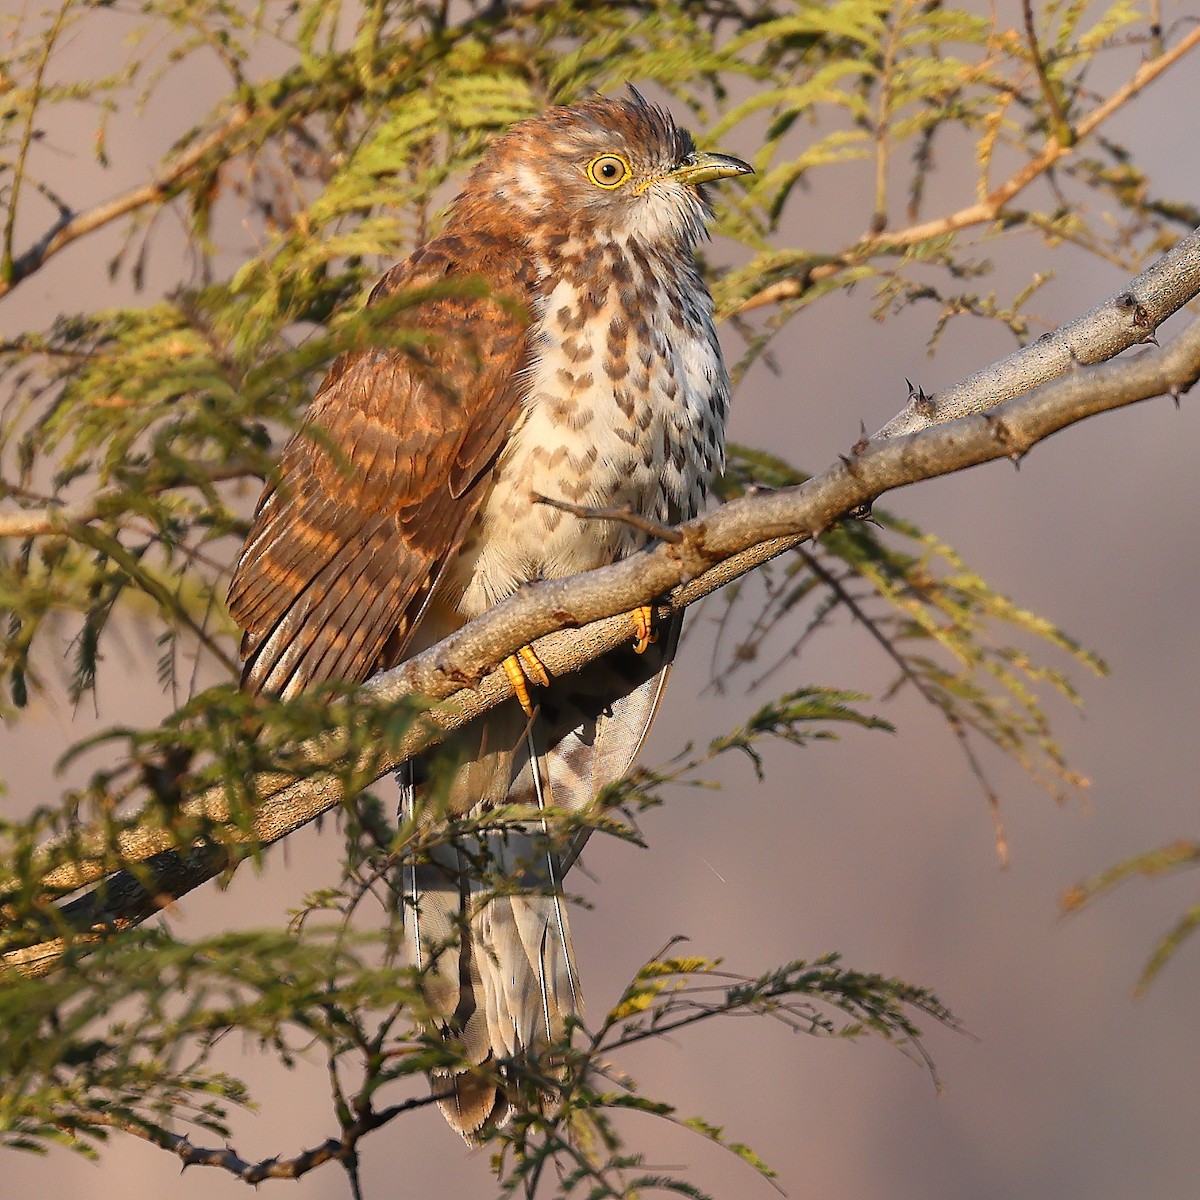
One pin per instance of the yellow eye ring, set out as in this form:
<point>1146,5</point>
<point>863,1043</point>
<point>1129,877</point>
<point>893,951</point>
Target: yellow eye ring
<point>609,171</point>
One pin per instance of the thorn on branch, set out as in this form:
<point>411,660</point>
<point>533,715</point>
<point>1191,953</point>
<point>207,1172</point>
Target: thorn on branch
<point>1004,438</point>
<point>333,1149</point>
<point>863,440</point>
<point>1143,320</point>
<point>624,516</point>
<point>921,402</point>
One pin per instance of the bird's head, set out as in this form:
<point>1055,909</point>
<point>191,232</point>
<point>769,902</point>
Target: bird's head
<point>607,169</point>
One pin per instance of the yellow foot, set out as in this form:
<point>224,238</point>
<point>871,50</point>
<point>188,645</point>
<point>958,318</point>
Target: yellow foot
<point>524,668</point>
<point>643,619</point>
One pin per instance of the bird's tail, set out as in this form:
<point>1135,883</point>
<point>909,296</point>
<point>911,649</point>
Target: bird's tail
<point>487,926</point>
<point>486,921</point>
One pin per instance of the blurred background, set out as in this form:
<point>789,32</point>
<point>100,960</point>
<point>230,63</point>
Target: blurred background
<point>878,846</point>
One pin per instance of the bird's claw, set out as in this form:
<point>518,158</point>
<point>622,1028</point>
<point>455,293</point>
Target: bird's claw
<point>524,668</point>
<point>643,621</point>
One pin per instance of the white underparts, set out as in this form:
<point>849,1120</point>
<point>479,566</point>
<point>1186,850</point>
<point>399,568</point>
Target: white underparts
<point>625,406</point>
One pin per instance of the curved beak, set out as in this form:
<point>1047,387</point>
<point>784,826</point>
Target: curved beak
<point>702,167</point>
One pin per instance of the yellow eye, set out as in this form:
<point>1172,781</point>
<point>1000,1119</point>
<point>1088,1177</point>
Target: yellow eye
<point>608,171</point>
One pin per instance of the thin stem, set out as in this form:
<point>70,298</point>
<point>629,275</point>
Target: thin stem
<point>1060,126</point>
<point>228,1159</point>
<point>622,516</point>
<point>8,268</point>
<point>52,519</point>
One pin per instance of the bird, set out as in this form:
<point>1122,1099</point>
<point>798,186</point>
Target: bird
<point>562,345</point>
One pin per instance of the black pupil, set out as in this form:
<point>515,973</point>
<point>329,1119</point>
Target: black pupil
<point>609,169</point>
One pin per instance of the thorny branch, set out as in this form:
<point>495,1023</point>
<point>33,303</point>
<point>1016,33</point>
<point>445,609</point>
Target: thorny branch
<point>1129,317</point>
<point>573,618</point>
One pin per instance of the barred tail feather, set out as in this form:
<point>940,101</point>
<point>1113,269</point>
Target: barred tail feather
<point>486,921</point>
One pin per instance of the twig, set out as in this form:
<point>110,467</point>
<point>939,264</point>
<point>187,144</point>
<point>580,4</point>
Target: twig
<point>1059,124</point>
<point>171,177</point>
<point>58,518</point>
<point>990,207</point>
<point>1127,318</point>
<point>7,266</point>
<point>957,725</point>
<point>624,516</point>
<point>228,1159</point>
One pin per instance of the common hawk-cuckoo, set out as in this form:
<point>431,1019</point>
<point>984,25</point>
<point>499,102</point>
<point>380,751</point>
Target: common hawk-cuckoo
<point>590,372</point>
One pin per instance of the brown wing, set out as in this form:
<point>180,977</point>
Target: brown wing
<point>377,489</point>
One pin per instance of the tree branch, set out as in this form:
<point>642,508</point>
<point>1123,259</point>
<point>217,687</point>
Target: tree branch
<point>228,1159</point>
<point>993,204</point>
<point>1127,318</point>
<point>574,622</point>
<point>51,518</point>
<point>173,175</point>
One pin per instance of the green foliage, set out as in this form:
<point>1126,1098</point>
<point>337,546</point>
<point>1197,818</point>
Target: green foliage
<point>125,1037</point>
<point>1151,864</point>
<point>132,440</point>
<point>670,994</point>
<point>962,646</point>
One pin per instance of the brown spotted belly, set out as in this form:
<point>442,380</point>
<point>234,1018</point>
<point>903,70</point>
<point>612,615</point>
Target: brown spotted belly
<point>620,413</point>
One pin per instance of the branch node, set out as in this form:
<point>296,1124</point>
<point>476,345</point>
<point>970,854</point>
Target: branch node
<point>919,402</point>
<point>624,516</point>
<point>1003,437</point>
<point>1143,320</point>
<point>461,677</point>
<point>690,553</point>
